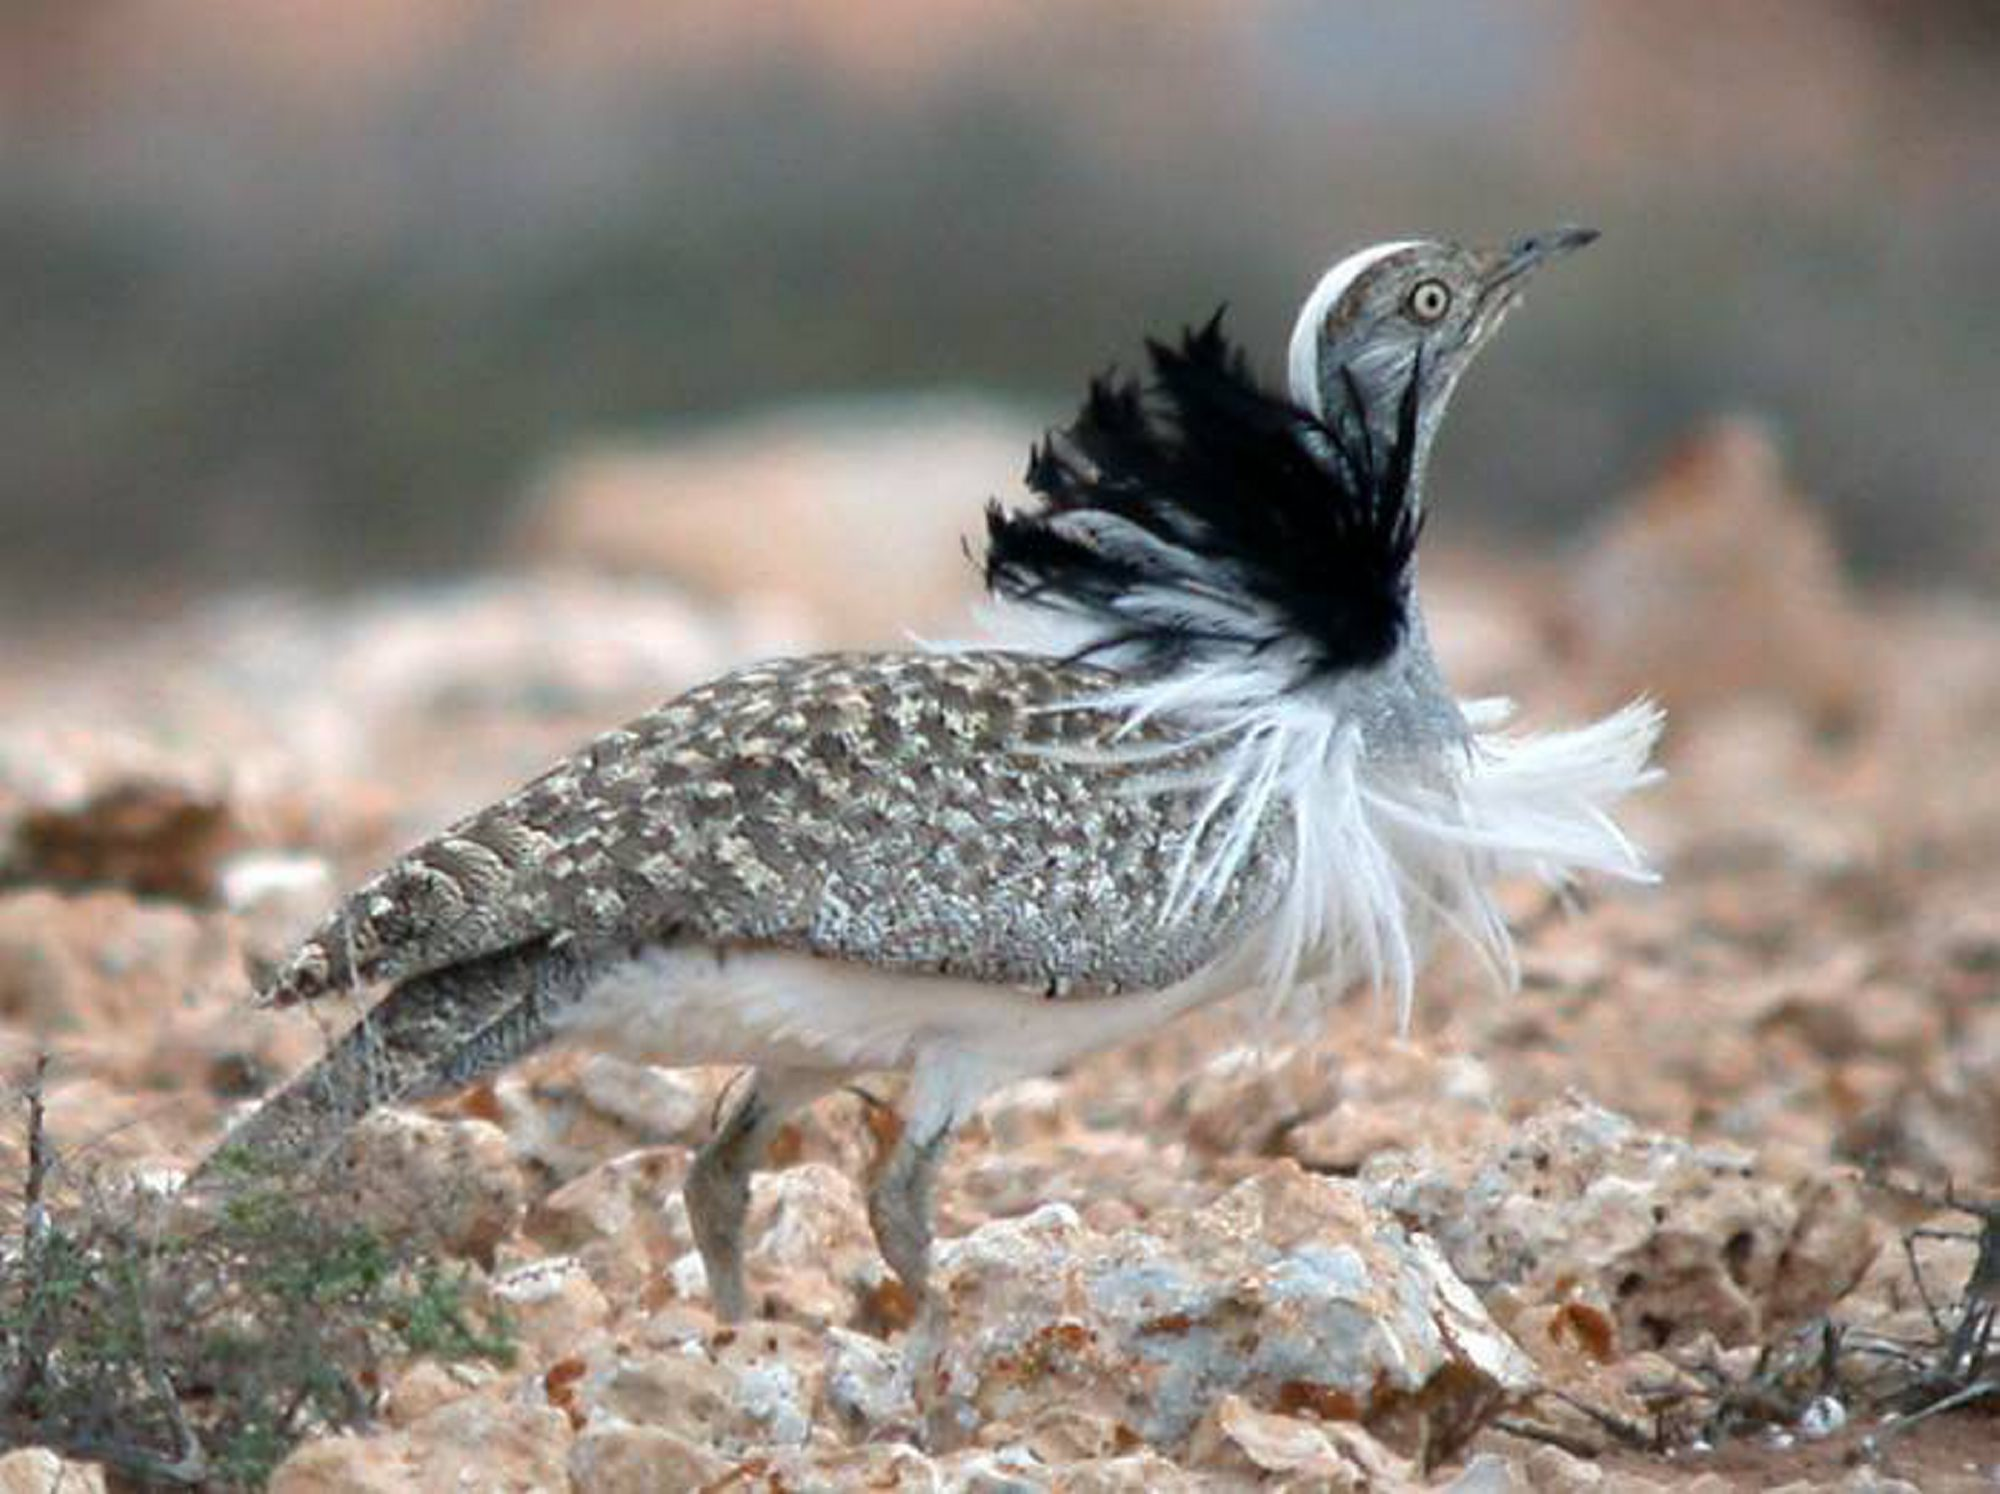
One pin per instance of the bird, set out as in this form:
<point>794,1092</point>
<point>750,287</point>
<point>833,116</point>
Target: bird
<point>1204,751</point>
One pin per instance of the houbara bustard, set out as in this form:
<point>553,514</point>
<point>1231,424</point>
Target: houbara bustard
<point>1215,757</point>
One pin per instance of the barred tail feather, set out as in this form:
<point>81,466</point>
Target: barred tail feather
<point>428,1036</point>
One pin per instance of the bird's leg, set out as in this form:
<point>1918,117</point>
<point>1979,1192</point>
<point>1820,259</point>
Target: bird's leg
<point>718,1184</point>
<point>899,1207</point>
<point>943,1091</point>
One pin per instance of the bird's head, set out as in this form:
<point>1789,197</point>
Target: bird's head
<point>1418,308</point>
<point>1206,519</point>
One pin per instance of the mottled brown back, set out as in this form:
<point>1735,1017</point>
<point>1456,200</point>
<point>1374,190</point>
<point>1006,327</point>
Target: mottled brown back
<point>899,809</point>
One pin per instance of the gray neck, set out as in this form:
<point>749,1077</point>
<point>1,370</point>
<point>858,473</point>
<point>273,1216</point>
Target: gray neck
<point>1429,418</point>
<point>1382,372</point>
<point>1406,712</point>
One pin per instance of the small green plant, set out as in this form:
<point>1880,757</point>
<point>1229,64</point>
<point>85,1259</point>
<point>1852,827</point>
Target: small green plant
<point>189,1342</point>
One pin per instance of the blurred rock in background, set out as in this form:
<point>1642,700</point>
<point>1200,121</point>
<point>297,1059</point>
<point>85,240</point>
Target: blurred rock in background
<point>838,510</point>
<point>309,293</point>
<point>1718,582</point>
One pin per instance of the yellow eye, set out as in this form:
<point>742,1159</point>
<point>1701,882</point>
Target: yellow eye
<point>1429,300</point>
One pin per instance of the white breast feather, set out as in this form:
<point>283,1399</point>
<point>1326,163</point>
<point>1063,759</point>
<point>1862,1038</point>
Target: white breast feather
<point>1384,851</point>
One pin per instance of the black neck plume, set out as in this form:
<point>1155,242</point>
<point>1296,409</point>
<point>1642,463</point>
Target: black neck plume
<point>1207,515</point>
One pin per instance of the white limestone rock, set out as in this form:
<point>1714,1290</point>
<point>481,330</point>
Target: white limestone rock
<point>1291,1291</point>
<point>1671,1239</point>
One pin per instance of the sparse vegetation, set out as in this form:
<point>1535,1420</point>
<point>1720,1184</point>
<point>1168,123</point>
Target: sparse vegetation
<point>190,1342</point>
<point>1826,1375</point>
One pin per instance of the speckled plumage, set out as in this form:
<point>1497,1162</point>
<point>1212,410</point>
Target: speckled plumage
<point>924,812</point>
<point>1228,760</point>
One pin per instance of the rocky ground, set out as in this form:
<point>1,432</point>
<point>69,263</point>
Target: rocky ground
<point>1652,1221</point>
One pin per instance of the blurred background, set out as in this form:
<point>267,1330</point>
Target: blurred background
<point>394,393</point>
<point>340,291</point>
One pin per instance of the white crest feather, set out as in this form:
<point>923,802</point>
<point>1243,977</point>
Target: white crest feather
<point>1302,361</point>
